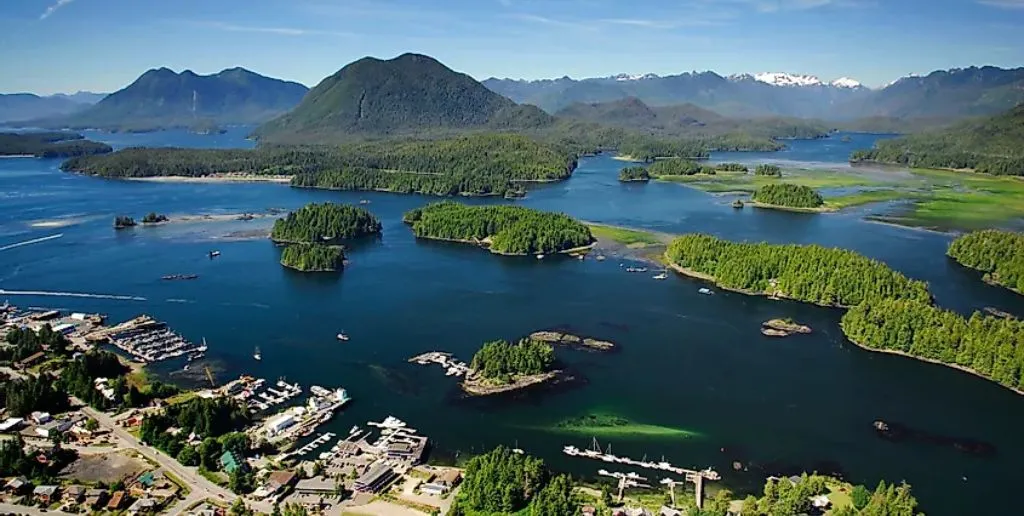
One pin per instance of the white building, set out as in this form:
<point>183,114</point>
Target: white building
<point>280,423</point>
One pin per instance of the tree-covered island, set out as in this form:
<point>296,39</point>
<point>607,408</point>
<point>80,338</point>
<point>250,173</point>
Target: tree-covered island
<point>49,145</point>
<point>785,195</point>
<point>766,169</point>
<point>808,273</point>
<point>998,254</point>
<point>678,167</point>
<point>505,482</point>
<point>634,174</point>
<point>154,218</point>
<point>472,165</point>
<point>311,231</point>
<point>318,223</point>
<point>501,366</point>
<point>313,257</point>
<point>511,230</point>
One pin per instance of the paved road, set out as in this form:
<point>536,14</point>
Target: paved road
<point>200,488</point>
<point>8,508</point>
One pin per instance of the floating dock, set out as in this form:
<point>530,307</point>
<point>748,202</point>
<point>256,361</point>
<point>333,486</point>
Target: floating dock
<point>451,365</point>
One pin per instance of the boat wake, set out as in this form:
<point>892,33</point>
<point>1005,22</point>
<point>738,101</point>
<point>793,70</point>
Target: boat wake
<point>33,241</point>
<point>4,292</point>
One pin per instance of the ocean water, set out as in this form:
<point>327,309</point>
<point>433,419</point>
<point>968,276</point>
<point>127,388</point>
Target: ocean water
<point>687,361</point>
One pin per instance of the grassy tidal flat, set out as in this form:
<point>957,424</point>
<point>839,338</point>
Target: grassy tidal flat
<point>612,426</point>
<point>940,199</point>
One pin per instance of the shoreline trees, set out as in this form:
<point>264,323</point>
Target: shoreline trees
<point>501,361</point>
<point>788,196</point>
<point>318,223</point>
<point>313,257</point>
<point>998,254</point>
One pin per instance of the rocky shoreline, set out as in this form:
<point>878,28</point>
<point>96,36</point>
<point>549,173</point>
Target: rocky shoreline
<point>783,328</point>
<point>576,341</point>
<point>476,385</point>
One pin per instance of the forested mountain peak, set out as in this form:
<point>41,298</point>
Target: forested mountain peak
<point>409,94</point>
<point>161,98</point>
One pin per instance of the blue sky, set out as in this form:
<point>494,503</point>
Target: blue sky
<point>102,45</point>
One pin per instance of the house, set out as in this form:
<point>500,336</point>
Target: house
<point>54,427</point>
<point>144,506</point>
<point>45,494</point>
<point>230,461</point>
<point>74,494</point>
<point>375,478</point>
<point>31,360</point>
<point>316,486</point>
<point>16,485</point>
<point>116,501</point>
<point>821,502</point>
<point>443,483</point>
<point>41,418</point>
<point>412,452</point>
<point>279,481</point>
<point>11,423</point>
<point>94,498</point>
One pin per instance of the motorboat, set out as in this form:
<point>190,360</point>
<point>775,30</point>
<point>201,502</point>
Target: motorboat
<point>342,336</point>
<point>256,355</point>
<point>706,291</point>
<point>661,276</point>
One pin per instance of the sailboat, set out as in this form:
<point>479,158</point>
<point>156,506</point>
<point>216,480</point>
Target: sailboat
<point>257,355</point>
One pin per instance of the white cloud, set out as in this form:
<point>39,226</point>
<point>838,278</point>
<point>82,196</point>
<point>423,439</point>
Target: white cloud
<point>280,31</point>
<point>1005,4</point>
<point>53,8</point>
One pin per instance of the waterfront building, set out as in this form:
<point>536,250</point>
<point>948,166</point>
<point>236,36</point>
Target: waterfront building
<point>375,478</point>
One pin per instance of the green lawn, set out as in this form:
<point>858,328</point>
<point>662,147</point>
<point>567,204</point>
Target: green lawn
<point>631,238</point>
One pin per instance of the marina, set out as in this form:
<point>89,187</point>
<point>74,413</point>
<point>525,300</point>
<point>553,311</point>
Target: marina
<point>302,420</point>
<point>250,392</point>
<point>148,340</point>
<point>451,365</point>
<point>595,453</point>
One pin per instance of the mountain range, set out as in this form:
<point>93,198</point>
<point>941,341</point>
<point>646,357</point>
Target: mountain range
<point>23,106</point>
<point>162,98</point>
<point>411,93</point>
<point>953,93</point>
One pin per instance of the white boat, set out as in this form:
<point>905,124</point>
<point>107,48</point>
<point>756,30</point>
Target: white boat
<point>214,254</point>
<point>342,336</point>
<point>540,256</point>
<point>571,451</point>
<point>706,291</point>
<point>353,430</point>
<point>600,258</point>
<point>661,276</point>
<point>185,368</point>
<point>257,354</point>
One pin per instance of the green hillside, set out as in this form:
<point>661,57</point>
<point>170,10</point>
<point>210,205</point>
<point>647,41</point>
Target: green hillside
<point>410,94</point>
<point>992,145</point>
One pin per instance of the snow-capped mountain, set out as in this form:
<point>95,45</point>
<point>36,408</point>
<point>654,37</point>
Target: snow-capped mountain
<point>786,79</point>
<point>846,82</point>
<point>627,77</point>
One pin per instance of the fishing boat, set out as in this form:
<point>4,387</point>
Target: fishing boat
<point>706,291</point>
<point>256,355</point>
<point>342,336</point>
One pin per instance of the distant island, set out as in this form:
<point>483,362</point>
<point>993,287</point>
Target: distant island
<point>50,145</point>
<point>313,257</point>
<point>568,339</point>
<point>154,218</point>
<point>501,366</point>
<point>634,175</point>
<point>808,273</point>
<point>472,165</point>
<point>320,223</point>
<point>509,230</point>
<point>783,328</point>
<point>998,254</point>
<point>123,222</point>
<point>679,167</point>
<point>790,196</point>
<point>765,169</point>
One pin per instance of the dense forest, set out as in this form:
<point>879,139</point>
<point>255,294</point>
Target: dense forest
<point>732,167</point>
<point>766,169</point>
<point>678,167</point>
<point>990,146</point>
<point>505,482</point>
<point>809,273</point>
<point>788,195</point>
<point>313,257</point>
<point>648,149</point>
<point>49,145</point>
<point>783,497</point>
<point>218,421</point>
<point>634,174</point>
<point>22,397</point>
<point>78,378</point>
<point>23,342</point>
<point>510,229</point>
<point>501,361</point>
<point>442,185</point>
<point>993,347</point>
<point>998,254</point>
<point>317,223</point>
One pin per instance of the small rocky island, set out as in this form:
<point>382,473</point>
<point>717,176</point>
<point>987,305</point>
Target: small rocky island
<point>568,339</point>
<point>124,222</point>
<point>783,328</point>
<point>501,366</point>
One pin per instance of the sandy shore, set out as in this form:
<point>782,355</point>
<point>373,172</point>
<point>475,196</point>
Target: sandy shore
<point>218,178</point>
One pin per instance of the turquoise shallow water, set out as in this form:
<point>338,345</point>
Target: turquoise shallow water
<point>687,361</point>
